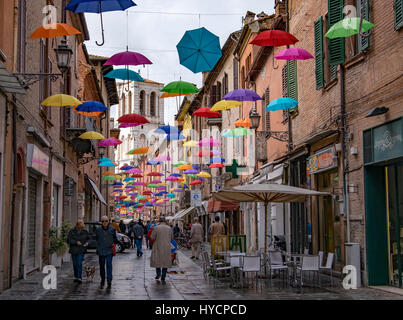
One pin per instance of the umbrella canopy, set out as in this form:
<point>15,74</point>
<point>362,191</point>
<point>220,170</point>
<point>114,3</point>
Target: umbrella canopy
<point>128,125</point>
<point>134,170</point>
<point>185,167</point>
<point>117,184</point>
<point>127,58</point>
<point>204,175</point>
<point>138,183</point>
<point>225,105</point>
<point>142,150</point>
<point>242,95</point>
<point>199,50</point>
<point>104,159</point>
<point>204,153</point>
<point>179,164</point>
<point>274,38</point>
<point>216,165</point>
<point>92,106</point>
<point>124,74</point>
<point>294,54</point>
<point>282,104</point>
<point>106,164</point>
<point>109,142</point>
<point>196,182</point>
<point>126,167</point>
<point>170,178</point>
<point>348,27</point>
<point>162,158</point>
<point>153,162</point>
<point>152,185</point>
<point>108,173</point>
<point>136,175</point>
<point>53,30</point>
<point>180,87</point>
<point>170,95</point>
<point>237,132</point>
<point>108,178</point>
<point>128,179</point>
<point>206,113</point>
<point>191,171</point>
<point>211,142</point>
<point>167,130</point>
<point>190,144</point>
<point>154,174</point>
<point>92,135</point>
<point>175,137</point>
<point>133,118</point>
<point>60,100</point>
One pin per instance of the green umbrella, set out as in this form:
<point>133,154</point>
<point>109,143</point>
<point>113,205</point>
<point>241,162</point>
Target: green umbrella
<point>193,176</point>
<point>109,178</point>
<point>172,200</point>
<point>237,132</point>
<point>180,163</point>
<point>141,197</point>
<point>180,87</point>
<point>348,27</point>
<point>153,185</point>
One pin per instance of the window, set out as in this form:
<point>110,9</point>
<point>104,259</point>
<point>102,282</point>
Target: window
<point>363,11</point>
<point>218,92</point>
<point>319,56</point>
<point>213,96</point>
<point>142,102</point>
<point>398,9</point>
<point>243,78</point>
<point>284,80</point>
<point>129,105</point>
<point>248,62</point>
<point>123,104</point>
<point>153,104</point>
<point>225,85</point>
<point>236,78</point>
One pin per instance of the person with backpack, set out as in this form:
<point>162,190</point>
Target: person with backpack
<point>138,231</point>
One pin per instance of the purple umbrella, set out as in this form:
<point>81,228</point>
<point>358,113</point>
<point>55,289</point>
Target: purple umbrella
<point>138,183</point>
<point>294,54</point>
<point>209,142</point>
<point>191,171</point>
<point>127,58</point>
<point>242,95</point>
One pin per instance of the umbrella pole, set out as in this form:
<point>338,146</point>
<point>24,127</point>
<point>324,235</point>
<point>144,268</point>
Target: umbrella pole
<point>102,27</point>
<point>265,226</point>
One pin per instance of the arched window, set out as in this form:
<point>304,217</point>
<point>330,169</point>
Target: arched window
<point>142,102</point>
<point>153,103</point>
<point>243,78</point>
<point>123,104</point>
<point>142,140</point>
<point>130,106</point>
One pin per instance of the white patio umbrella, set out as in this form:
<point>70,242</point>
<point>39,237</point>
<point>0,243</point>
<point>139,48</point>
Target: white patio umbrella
<point>266,193</point>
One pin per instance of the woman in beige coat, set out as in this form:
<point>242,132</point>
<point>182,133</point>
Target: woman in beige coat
<point>161,253</point>
<point>196,238</point>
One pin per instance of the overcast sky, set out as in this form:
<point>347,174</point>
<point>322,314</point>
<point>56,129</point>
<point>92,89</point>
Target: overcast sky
<point>156,35</point>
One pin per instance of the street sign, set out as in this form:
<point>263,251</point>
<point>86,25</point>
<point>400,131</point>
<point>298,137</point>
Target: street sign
<point>195,198</point>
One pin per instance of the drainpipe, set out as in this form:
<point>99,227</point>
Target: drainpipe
<point>287,28</point>
<point>344,147</point>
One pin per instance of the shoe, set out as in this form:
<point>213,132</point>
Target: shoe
<point>75,280</point>
<point>79,280</point>
<point>109,284</point>
<point>102,283</point>
<point>197,258</point>
<point>157,277</point>
<point>192,257</point>
<point>163,279</point>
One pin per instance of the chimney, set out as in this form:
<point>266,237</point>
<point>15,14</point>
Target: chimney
<point>250,16</point>
<point>280,7</point>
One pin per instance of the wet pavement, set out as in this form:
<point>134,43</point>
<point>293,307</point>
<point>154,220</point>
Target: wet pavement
<point>133,279</point>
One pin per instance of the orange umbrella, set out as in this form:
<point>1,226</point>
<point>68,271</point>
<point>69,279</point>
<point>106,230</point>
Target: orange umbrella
<point>108,173</point>
<point>185,167</point>
<point>239,123</point>
<point>247,123</point>
<point>54,30</point>
<point>170,95</point>
<point>143,150</point>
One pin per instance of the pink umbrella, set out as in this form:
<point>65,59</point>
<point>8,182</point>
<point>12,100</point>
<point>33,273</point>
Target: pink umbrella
<point>162,158</point>
<point>161,188</point>
<point>209,142</point>
<point>134,170</point>
<point>109,142</point>
<point>128,125</point>
<point>294,54</point>
<point>156,181</point>
<point>127,58</point>
<point>138,183</point>
<point>170,178</point>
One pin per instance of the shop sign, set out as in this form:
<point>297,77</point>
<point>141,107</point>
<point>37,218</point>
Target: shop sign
<point>195,198</point>
<point>37,159</point>
<point>322,161</point>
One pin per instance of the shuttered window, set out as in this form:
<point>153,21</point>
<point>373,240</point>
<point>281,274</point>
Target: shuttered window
<point>236,77</point>
<point>398,8</point>
<point>292,81</point>
<point>319,57</point>
<point>284,79</point>
<point>336,46</point>
<point>267,113</point>
<point>363,10</point>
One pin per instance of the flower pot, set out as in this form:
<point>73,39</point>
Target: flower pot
<point>56,260</point>
<point>66,257</point>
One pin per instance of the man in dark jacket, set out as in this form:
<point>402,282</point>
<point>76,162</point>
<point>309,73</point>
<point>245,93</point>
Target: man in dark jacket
<point>122,227</point>
<point>78,240</point>
<point>138,231</point>
<point>106,236</point>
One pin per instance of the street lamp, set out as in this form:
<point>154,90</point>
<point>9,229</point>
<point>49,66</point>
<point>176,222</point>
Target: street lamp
<point>63,56</point>
<point>254,117</point>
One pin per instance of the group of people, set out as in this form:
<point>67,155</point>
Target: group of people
<point>158,238</point>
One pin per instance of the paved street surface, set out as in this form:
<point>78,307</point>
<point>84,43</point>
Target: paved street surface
<point>133,279</point>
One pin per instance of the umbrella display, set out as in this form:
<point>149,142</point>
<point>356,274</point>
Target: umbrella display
<point>128,125</point>
<point>196,182</point>
<point>242,95</point>
<point>92,135</point>
<point>124,74</point>
<point>282,104</point>
<point>294,54</point>
<point>108,173</point>
<point>170,178</point>
<point>191,171</point>
<point>179,164</point>
<point>243,123</point>
<point>274,38</point>
<point>109,142</point>
<point>153,162</point>
<point>128,179</point>
<point>106,164</point>
<point>91,106</point>
<point>139,151</point>
<point>216,165</point>
<point>171,95</point>
<point>126,167</point>
<point>162,158</point>
<point>225,105</point>
<point>108,178</point>
<point>152,185</point>
<point>190,144</point>
<point>204,153</point>
<point>137,175</point>
<point>204,175</point>
<point>185,167</point>
<point>167,130</point>
<point>134,170</point>
<point>180,87</point>
<point>154,174</point>
<point>211,142</point>
<point>60,100</point>
<point>99,6</point>
<point>237,132</point>
<point>53,30</point>
<point>349,27</point>
<point>206,113</point>
<point>199,50</point>
<point>127,58</point>
<point>133,118</point>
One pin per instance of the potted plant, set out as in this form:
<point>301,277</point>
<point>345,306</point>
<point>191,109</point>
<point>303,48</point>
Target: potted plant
<point>58,242</point>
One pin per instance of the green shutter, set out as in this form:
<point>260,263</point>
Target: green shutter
<point>336,46</point>
<point>333,72</point>
<point>319,64</point>
<point>363,43</point>
<point>398,6</point>
<point>292,81</point>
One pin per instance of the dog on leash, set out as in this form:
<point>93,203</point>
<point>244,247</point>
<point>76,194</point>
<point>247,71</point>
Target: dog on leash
<point>90,272</point>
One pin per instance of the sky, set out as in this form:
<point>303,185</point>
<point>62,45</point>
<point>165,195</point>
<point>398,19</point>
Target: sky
<point>154,28</point>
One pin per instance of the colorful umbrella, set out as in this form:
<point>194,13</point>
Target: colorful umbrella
<point>216,165</point>
<point>214,160</point>
<point>133,118</point>
<point>206,113</point>
<point>242,95</point>
<point>108,173</point>
<point>211,142</point>
<point>134,170</point>
<point>127,58</point>
<point>60,100</point>
<point>136,175</point>
<point>282,104</point>
<point>348,27</point>
<point>180,87</point>
<point>124,74</point>
<point>99,6</point>
<point>126,167</point>
<point>128,125</point>
<point>138,183</point>
<point>225,105</point>
<point>104,159</point>
<point>53,30</point>
<point>92,135</point>
<point>237,132</point>
<point>170,95</point>
<point>172,200</point>
<point>199,50</point>
<point>162,158</point>
<point>196,182</point>
<point>156,181</point>
<point>185,167</point>
<point>91,106</point>
<point>175,137</point>
<point>128,179</point>
<point>139,151</point>
<point>108,178</point>
<point>191,143</point>
<point>204,175</point>
<point>179,163</point>
<point>191,171</point>
<point>274,38</point>
<point>170,195</point>
<point>154,174</point>
<point>167,130</point>
<point>152,185</point>
<point>153,162</point>
<point>109,142</point>
<point>294,54</point>
<point>106,164</point>
<point>171,179</point>
<point>204,153</point>
<point>117,184</point>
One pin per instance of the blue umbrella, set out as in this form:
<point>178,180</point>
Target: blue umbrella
<point>174,137</point>
<point>92,106</point>
<point>217,160</point>
<point>124,74</point>
<point>199,50</point>
<point>196,167</point>
<point>282,104</point>
<point>175,175</point>
<point>153,163</point>
<point>99,6</point>
<point>104,159</point>
<point>106,164</point>
<point>117,184</point>
<point>167,130</point>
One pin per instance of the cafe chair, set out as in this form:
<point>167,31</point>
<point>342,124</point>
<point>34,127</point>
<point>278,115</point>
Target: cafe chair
<point>329,266</point>
<point>309,263</point>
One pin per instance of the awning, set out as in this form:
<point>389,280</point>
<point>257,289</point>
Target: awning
<point>183,213</point>
<point>8,82</point>
<point>216,206</point>
<point>96,191</point>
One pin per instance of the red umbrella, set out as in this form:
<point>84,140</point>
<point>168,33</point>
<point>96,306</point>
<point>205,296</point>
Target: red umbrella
<point>154,174</point>
<point>143,200</point>
<point>274,38</point>
<point>196,182</point>
<point>206,113</point>
<point>205,153</point>
<point>137,175</point>
<point>216,165</point>
<point>133,118</point>
<point>147,193</point>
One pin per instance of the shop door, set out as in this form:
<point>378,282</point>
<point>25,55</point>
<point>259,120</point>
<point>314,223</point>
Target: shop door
<point>32,213</point>
<point>394,212</point>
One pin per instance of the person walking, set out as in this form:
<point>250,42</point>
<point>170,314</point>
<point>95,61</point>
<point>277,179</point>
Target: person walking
<point>150,241</point>
<point>176,231</point>
<point>138,231</point>
<point>131,233</point>
<point>145,233</point>
<point>106,237</point>
<point>161,253</point>
<point>78,239</point>
<point>217,228</point>
<point>122,227</point>
<point>196,238</point>
<point>116,226</point>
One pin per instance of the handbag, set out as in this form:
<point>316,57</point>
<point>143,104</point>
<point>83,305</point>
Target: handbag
<point>113,245</point>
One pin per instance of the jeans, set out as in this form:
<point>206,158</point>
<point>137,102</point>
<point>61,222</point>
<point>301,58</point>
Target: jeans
<point>77,264</point>
<point>108,260</point>
<point>139,242</point>
<point>164,272</point>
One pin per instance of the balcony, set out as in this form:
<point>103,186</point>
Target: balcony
<point>79,146</point>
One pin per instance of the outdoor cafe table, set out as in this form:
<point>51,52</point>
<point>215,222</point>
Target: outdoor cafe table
<point>231,254</point>
<point>293,260</point>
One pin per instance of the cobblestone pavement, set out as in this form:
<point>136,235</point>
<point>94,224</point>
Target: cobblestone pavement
<point>133,279</point>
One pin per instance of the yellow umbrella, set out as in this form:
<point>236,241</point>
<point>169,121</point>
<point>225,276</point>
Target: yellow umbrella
<point>92,135</point>
<point>142,150</point>
<point>225,105</point>
<point>185,167</point>
<point>204,175</point>
<point>118,177</point>
<point>191,143</point>
<point>60,100</point>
